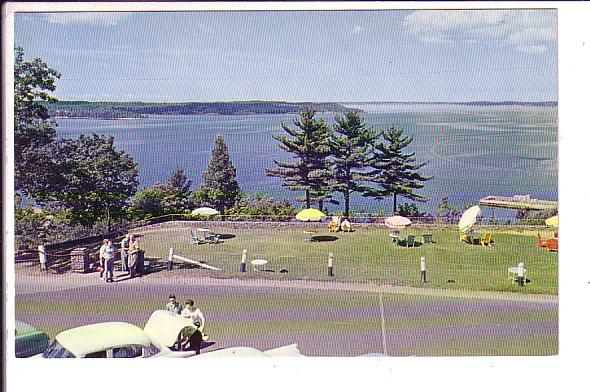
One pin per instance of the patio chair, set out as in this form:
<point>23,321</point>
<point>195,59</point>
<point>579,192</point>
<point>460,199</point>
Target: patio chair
<point>465,237</point>
<point>411,241</point>
<point>334,226</point>
<point>212,238</point>
<point>196,239</point>
<point>486,239</point>
<point>541,242</point>
<point>552,245</point>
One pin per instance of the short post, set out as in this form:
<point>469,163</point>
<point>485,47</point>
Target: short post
<point>170,258</point>
<point>422,269</point>
<point>520,278</point>
<point>244,259</point>
<point>42,258</point>
<point>330,264</point>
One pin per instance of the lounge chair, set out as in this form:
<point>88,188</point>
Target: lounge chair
<point>486,239</point>
<point>552,245</point>
<point>411,241</point>
<point>195,238</point>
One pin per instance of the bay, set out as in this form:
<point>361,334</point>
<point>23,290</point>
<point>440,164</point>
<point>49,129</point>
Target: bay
<point>473,151</point>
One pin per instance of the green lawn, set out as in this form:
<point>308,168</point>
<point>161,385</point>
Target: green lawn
<point>366,255</point>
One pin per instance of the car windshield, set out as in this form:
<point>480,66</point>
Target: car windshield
<point>56,350</point>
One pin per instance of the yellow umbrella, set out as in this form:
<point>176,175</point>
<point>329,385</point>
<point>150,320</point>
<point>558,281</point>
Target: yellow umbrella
<point>310,214</point>
<point>553,221</point>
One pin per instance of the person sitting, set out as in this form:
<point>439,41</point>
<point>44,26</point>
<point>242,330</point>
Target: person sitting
<point>195,315</point>
<point>345,225</point>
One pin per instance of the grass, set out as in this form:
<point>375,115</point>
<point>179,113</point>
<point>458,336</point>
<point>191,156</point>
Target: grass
<point>366,255</point>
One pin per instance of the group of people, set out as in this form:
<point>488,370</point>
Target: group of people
<point>189,311</point>
<point>129,254</point>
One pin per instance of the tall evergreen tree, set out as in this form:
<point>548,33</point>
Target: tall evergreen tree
<point>352,154</point>
<point>220,187</point>
<point>396,171</point>
<point>179,181</point>
<point>34,132</point>
<point>308,143</point>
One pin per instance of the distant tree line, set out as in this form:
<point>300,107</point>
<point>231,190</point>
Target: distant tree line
<point>113,110</point>
<point>346,159</point>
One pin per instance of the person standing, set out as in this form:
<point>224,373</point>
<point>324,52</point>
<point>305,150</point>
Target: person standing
<point>109,261</point>
<point>125,253</point>
<point>101,263</point>
<point>133,255</point>
<point>195,315</point>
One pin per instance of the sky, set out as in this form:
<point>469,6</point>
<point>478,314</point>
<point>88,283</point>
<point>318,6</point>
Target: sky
<point>315,56</point>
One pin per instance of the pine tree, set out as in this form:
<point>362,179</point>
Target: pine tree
<point>352,150</point>
<point>178,181</point>
<point>309,144</point>
<point>396,171</point>
<point>220,187</point>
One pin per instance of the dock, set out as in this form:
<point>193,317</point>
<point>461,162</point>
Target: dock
<point>518,202</point>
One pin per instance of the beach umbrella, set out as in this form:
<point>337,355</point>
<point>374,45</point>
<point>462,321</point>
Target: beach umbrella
<point>553,221</point>
<point>310,215</point>
<point>397,222</point>
<point>468,218</point>
<point>205,211</point>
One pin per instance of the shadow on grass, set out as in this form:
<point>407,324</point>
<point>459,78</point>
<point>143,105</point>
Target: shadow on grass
<point>226,236</point>
<point>323,238</point>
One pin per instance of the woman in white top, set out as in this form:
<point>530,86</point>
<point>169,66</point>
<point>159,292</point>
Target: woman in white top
<point>195,315</point>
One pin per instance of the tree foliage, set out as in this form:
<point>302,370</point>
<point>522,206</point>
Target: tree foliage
<point>34,132</point>
<point>352,155</point>
<point>308,143</point>
<point>172,197</point>
<point>96,179</point>
<point>220,188</point>
<point>396,172</point>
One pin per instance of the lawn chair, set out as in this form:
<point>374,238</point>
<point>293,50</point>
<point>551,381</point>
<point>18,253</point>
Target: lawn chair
<point>334,227</point>
<point>196,239</point>
<point>212,238</point>
<point>541,242</point>
<point>486,239</point>
<point>465,237</point>
<point>552,245</point>
<point>411,241</point>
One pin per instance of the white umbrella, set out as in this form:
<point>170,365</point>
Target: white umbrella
<point>205,211</point>
<point>397,222</point>
<point>468,218</point>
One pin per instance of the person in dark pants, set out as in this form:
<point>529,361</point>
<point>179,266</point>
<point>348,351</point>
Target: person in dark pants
<point>125,253</point>
<point>109,261</point>
<point>133,255</point>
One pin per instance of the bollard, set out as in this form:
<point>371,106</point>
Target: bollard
<point>330,262</point>
<point>520,278</point>
<point>244,259</point>
<point>170,258</point>
<point>42,258</point>
<point>422,269</point>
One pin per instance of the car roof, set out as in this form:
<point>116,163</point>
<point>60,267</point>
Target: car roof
<point>164,327</point>
<point>92,338</point>
<point>22,328</point>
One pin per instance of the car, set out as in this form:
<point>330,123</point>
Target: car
<point>165,335</point>
<point>290,350</point>
<point>28,340</point>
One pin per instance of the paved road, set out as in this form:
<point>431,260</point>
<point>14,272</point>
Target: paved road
<point>345,319</point>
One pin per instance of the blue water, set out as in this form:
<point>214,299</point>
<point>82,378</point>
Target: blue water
<point>473,151</point>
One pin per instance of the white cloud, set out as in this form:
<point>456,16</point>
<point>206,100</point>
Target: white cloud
<point>529,31</point>
<point>96,18</point>
<point>358,29</point>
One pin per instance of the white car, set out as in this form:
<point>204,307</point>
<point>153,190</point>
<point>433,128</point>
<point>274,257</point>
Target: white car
<point>124,340</point>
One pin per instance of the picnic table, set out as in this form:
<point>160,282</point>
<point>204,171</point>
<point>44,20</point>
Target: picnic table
<point>396,237</point>
<point>208,235</point>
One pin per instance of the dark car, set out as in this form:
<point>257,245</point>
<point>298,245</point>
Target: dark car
<point>28,340</point>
